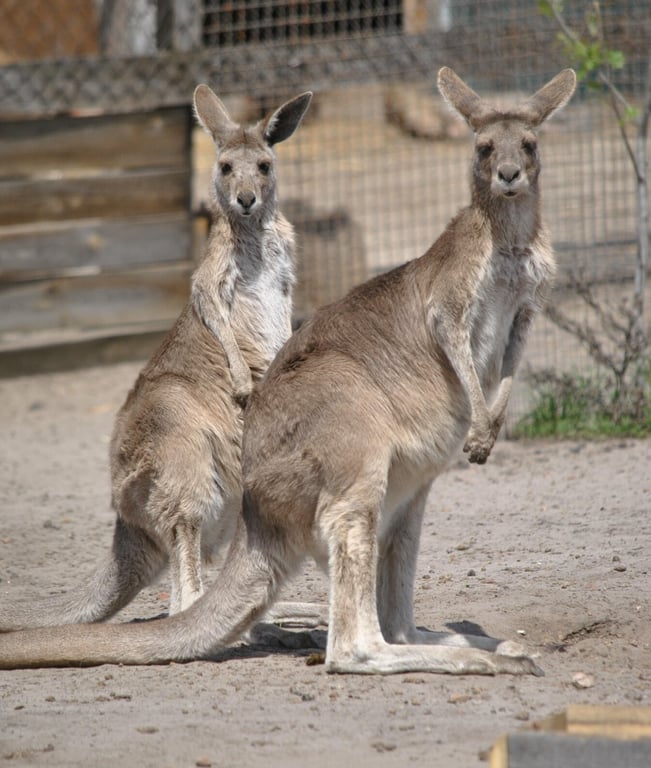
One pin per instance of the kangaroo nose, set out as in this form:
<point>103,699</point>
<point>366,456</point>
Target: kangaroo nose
<point>246,199</point>
<point>508,172</point>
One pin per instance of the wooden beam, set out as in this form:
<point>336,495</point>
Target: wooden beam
<point>582,736</point>
<point>137,193</point>
<point>159,139</point>
<point>83,349</point>
<point>180,24</point>
<point>55,249</point>
<point>544,750</point>
<point>90,302</point>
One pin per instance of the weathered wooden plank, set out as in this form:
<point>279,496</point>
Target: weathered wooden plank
<point>32,251</point>
<point>135,193</point>
<point>82,349</point>
<point>616,721</point>
<point>92,302</point>
<point>159,139</point>
<point>582,736</point>
<point>180,24</point>
<point>544,750</point>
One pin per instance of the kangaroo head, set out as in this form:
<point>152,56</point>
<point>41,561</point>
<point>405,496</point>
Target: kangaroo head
<point>244,176</point>
<point>506,162</point>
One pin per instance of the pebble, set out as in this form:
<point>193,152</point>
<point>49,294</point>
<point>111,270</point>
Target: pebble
<point>459,698</point>
<point>383,746</point>
<point>582,680</point>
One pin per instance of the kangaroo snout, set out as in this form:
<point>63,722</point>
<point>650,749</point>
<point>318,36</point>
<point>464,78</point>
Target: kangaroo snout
<point>246,199</point>
<point>508,172</point>
<point>510,179</point>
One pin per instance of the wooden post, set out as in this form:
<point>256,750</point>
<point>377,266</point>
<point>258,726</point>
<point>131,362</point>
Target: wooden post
<point>180,25</point>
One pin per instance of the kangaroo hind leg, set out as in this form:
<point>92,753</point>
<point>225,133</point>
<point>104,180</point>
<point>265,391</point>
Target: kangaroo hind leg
<point>396,576</point>
<point>355,640</point>
<point>185,564</point>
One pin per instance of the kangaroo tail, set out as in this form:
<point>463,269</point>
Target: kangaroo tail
<point>246,587</point>
<point>133,562</point>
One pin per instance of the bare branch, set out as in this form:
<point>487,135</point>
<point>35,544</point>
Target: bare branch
<point>585,334</point>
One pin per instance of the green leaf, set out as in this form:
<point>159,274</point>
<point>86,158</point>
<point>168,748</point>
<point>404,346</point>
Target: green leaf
<point>545,8</point>
<point>616,59</point>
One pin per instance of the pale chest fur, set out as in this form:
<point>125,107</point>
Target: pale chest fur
<point>513,281</point>
<point>262,297</point>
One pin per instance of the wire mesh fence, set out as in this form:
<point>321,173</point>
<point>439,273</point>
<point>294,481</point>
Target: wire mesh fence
<point>380,165</point>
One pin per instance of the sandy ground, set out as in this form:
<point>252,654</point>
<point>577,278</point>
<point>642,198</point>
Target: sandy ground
<point>548,543</point>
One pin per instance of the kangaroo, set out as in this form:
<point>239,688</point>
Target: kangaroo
<point>356,416</point>
<point>175,448</point>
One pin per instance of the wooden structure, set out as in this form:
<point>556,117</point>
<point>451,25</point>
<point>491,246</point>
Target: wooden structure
<point>96,239</point>
<point>583,736</point>
<point>95,234</point>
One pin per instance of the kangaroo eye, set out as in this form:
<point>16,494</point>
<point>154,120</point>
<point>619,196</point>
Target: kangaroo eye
<point>225,168</point>
<point>264,167</point>
<point>485,151</point>
<point>529,146</point>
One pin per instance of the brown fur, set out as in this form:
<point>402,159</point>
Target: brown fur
<point>176,482</point>
<point>357,415</point>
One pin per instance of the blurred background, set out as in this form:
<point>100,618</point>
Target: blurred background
<point>104,175</point>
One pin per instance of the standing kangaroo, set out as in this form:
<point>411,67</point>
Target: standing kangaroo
<point>364,406</point>
<point>175,448</point>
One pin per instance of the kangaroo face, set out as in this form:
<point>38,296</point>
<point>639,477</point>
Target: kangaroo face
<point>244,175</point>
<point>506,158</point>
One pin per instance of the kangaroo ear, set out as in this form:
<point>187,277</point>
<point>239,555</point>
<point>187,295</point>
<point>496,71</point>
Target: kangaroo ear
<point>551,97</point>
<point>285,120</point>
<point>211,114</point>
<point>461,97</point>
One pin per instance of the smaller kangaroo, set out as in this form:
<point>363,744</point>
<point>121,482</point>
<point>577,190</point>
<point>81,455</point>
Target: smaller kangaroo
<point>175,448</point>
<point>356,416</point>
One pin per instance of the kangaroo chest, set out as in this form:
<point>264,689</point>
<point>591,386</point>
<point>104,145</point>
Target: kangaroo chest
<point>510,284</point>
<point>262,302</point>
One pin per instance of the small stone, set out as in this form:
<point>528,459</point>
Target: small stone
<point>620,568</point>
<point>582,680</point>
<point>459,698</point>
<point>383,746</point>
<point>472,572</point>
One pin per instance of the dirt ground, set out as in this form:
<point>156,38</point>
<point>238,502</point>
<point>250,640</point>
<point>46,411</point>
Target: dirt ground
<point>548,543</point>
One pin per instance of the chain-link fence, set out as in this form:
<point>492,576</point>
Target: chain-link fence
<point>380,165</point>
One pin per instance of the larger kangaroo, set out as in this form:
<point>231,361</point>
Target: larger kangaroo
<point>175,448</point>
<point>360,411</point>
